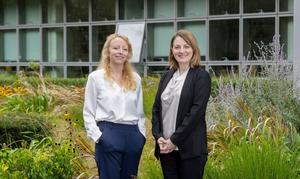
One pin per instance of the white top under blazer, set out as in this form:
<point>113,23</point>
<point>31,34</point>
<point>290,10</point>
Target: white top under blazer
<point>107,101</point>
<point>170,102</point>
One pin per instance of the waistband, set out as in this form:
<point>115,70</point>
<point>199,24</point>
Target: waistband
<point>117,125</point>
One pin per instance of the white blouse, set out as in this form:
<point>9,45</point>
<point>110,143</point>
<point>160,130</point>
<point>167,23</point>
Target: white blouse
<point>107,101</point>
<point>170,101</point>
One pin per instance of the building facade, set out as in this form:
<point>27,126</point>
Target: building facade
<point>65,37</point>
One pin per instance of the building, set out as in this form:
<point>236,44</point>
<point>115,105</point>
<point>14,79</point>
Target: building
<point>65,36</point>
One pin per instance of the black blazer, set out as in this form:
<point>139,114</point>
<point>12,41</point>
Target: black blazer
<point>190,135</point>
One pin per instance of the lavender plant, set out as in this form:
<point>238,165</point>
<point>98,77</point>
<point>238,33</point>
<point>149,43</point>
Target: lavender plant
<point>246,96</point>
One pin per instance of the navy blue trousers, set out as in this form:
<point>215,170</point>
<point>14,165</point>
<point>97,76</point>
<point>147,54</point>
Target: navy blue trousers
<point>118,150</point>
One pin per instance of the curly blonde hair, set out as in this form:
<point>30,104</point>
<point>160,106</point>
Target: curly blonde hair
<point>128,81</point>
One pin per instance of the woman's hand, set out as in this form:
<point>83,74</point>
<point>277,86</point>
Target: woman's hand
<point>170,146</point>
<point>166,146</point>
<point>161,142</point>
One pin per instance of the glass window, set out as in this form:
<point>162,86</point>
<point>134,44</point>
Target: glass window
<point>30,46</point>
<point>103,10</point>
<point>52,11</point>
<point>28,68</point>
<point>199,31</point>
<point>257,30</point>
<point>191,8</point>
<point>8,70</point>
<point>8,12</point>
<point>53,71</point>
<point>53,45</point>
<point>224,40</point>
<point>131,9</point>
<point>77,10</point>
<point>256,6</point>
<point>159,37</point>
<point>286,32</point>
<point>8,46</point>
<point>251,70</point>
<point>160,9</point>
<point>77,44</point>
<point>99,37</point>
<point>157,70</point>
<point>221,7</point>
<point>223,70</point>
<point>94,68</point>
<point>30,12</point>
<point>286,5</point>
<point>77,71</point>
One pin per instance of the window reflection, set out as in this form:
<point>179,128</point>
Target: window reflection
<point>286,32</point>
<point>53,45</point>
<point>224,40</point>
<point>160,9</point>
<point>159,36</point>
<point>77,71</point>
<point>103,10</point>
<point>12,70</point>
<point>99,37</point>
<point>223,7</point>
<point>8,46</point>
<point>259,6</point>
<point>52,11</point>
<point>286,5</point>
<point>77,10</point>
<point>8,12</point>
<point>30,46</point>
<point>29,12</point>
<point>157,70</point>
<point>257,30</point>
<point>53,71</point>
<point>131,9</point>
<point>191,8</point>
<point>77,44</point>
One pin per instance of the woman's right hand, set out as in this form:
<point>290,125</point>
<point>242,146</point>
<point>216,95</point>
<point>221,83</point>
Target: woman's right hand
<point>162,145</point>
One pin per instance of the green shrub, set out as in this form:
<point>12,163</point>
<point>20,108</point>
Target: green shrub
<point>27,103</point>
<point>255,161</point>
<point>75,114</point>
<point>150,85</point>
<point>18,129</point>
<point>79,82</point>
<point>6,79</point>
<point>42,159</point>
<point>259,95</point>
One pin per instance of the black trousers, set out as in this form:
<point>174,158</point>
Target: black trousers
<point>176,168</point>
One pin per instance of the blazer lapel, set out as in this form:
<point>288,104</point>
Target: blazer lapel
<point>166,80</point>
<point>185,90</point>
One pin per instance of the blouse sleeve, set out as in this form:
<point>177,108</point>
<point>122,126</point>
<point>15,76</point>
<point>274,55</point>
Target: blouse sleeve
<point>89,110</point>
<point>140,108</point>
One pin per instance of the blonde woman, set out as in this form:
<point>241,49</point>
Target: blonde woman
<point>113,111</point>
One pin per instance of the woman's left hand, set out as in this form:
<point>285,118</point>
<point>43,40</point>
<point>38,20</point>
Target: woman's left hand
<point>170,146</point>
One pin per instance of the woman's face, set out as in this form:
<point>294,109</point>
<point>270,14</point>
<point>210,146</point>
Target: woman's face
<point>118,51</point>
<point>182,51</point>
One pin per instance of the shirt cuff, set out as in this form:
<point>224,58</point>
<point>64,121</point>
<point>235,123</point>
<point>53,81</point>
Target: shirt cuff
<point>96,136</point>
